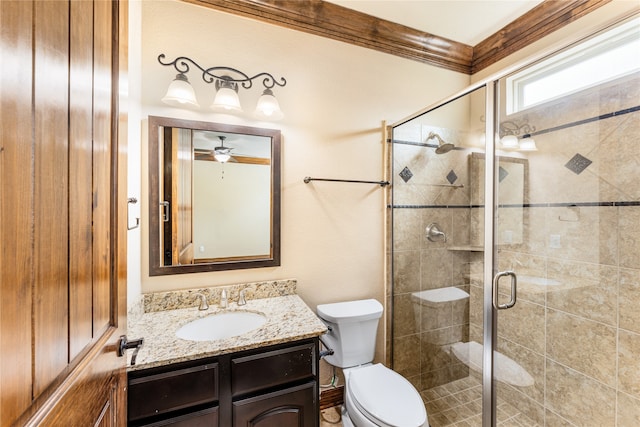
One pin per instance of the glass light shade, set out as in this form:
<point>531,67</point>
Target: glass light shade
<point>180,93</point>
<point>509,141</point>
<point>528,144</point>
<point>222,157</point>
<point>268,107</point>
<point>226,101</point>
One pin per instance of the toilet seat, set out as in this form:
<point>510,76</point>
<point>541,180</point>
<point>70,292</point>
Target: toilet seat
<point>386,397</point>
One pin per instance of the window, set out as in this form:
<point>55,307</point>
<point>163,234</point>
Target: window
<point>605,57</point>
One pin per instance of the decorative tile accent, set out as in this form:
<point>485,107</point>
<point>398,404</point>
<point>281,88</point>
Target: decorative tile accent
<point>406,174</point>
<point>451,177</point>
<point>578,163</point>
<point>502,173</point>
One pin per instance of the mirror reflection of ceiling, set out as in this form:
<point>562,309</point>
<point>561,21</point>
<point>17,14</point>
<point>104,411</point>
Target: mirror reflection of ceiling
<point>241,145</point>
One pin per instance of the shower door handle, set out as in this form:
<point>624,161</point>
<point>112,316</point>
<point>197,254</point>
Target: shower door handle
<point>514,290</point>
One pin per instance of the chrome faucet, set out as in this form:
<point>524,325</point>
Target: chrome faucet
<point>241,298</point>
<point>223,299</point>
<point>204,305</point>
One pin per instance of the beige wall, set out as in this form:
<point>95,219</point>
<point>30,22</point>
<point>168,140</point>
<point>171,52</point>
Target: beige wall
<point>336,100</point>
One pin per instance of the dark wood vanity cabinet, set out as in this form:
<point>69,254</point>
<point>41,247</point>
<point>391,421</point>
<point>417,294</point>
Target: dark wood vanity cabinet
<point>273,386</point>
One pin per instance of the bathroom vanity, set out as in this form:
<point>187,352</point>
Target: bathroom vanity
<point>265,377</point>
<point>276,385</point>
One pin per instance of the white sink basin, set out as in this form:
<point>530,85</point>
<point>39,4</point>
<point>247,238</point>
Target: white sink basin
<point>220,326</point>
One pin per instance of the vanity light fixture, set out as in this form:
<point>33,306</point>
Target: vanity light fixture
<point>227,82</point>
<point>180,92</point>
<point>510,132</point>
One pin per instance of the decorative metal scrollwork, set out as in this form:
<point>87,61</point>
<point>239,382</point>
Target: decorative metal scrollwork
<point>214,74</point>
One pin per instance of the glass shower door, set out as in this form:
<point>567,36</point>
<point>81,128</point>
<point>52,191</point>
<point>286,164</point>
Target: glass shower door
<point>515,261</point>
<point>438,258</point>
<point>568,197</point>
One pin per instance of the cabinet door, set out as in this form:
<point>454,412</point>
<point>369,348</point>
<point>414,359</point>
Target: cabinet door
<point>292,407</point>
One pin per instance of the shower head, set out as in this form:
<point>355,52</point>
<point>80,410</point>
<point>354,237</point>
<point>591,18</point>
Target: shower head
<point>443,147</point>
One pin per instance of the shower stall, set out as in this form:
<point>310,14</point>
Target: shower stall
<point>515,243</point>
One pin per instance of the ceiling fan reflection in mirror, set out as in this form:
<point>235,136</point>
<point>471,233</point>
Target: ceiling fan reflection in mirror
<point>222,153</point>
<point>215,147</point>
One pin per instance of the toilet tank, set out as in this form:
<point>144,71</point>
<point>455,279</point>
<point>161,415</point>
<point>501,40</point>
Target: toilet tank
<point>352,336</point>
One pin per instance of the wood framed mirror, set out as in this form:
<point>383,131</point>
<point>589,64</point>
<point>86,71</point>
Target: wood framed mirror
<point>214,196</point>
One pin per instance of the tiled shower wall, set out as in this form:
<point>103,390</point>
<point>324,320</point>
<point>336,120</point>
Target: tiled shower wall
<point>422,332</point>
<point>579,337</point>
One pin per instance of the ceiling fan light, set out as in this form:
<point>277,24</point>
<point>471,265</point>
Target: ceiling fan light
<point>180,93</point>
<point>221,157</point>
<point>268,107</point>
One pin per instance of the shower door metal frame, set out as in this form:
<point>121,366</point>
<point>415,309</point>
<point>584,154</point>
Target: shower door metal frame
<point>490,323</point>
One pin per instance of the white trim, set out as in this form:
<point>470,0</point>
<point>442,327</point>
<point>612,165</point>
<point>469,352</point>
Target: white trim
<point>552,50</point>
<point>626,35</point>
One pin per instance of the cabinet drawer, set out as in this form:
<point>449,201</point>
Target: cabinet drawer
<point>205,418</point>
<point>273,368</point>
<point>163,392</point>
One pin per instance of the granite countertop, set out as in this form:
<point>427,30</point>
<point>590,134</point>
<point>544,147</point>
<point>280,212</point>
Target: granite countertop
<point>288,319</point>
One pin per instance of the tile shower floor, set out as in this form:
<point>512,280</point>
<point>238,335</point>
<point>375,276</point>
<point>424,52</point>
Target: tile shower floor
<point>459,404</point>
<point>456,404</point>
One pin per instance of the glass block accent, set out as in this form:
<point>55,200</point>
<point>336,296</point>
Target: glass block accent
<point>451,177</point>
<point>502,173</point>
<point>406,174</point>
<point>578,163</point>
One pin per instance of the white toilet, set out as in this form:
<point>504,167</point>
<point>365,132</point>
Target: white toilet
<point>374,394</point>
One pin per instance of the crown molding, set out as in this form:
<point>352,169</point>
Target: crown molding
<point>539,22</point>
<point>339,23</point>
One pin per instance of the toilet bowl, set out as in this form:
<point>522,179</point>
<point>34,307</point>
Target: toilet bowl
<point>375,396</point>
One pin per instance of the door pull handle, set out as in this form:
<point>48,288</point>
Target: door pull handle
<point>514,290</point>
<point>165,211</point>
<point>132,201</point>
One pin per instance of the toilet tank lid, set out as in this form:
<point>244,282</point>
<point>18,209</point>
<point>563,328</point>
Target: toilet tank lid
<point>350,311</point>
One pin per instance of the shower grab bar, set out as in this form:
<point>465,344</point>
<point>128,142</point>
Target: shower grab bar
<point>308,179</point>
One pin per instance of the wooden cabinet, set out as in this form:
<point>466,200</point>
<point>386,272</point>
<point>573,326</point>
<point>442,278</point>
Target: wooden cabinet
<point>291,407</point>
<point>271,386</point>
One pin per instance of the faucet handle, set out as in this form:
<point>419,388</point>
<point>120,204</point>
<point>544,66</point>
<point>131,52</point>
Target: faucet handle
<point>204,305</point>
<point>241,298</point>
<point>223,299</point>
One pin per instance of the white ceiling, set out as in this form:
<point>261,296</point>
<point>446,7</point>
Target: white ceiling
<point>464,21</point>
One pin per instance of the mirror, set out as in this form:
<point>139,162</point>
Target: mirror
<point>513,175</point>
<point>214,196</point>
